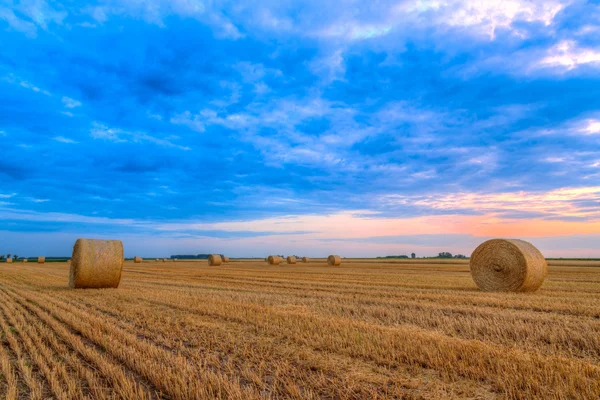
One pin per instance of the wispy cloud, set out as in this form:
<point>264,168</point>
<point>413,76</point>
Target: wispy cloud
<point>63,139</point>
<point>569,55</point>
<point>70,103</point>
<point>101,131</point>
<point>563,203</point>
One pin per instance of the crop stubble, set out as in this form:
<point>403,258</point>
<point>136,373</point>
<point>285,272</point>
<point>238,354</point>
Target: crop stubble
<point>366,329</point>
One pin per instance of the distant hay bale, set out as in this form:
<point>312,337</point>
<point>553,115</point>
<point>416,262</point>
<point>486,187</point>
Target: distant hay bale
<point>508,265</point>
<point>164,260</point>
<point>291,260</point>
<point>9,260</point>
<point>41,260</point>
<point>96,264</point>
<point>334,260</point>
<point>137,259</point>
<point>214,260</point>
<point>226,259</point>
<point>274,260</point>
<point>305,259</point>
<point>25,260</point>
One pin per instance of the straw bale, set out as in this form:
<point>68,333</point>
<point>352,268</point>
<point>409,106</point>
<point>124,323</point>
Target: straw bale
<point>508,265</point>
<point>96,264</point>
<point>334,260</point>
<point>214,259</point>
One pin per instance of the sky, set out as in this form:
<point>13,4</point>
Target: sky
<point>359,128</point>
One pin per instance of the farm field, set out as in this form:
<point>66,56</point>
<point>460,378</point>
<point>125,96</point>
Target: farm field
<point>247,330</point>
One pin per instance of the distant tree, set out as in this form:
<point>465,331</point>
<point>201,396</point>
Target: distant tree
<point>2,256</point>
<point>413,255</point>
<point>8,255</point>
<point>445,254</point>
<point>15,257</point>
<point>460,256</point>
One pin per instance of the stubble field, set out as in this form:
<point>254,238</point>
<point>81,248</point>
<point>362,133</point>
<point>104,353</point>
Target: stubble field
<point>366,329</point>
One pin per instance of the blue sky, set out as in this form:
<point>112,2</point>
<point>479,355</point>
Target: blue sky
<point>359,128</point>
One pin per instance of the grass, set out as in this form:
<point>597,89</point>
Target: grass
<point>246,330</point>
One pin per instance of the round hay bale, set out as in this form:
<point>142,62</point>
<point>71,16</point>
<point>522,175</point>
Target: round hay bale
<point>274,260</point>
<point>25,260</point>
<point>9,260</point>
<point>226,259</point>
<point>305,259</point>
<point>214,259</point>
<point>508,265</point>
<point>96,264</point>
<point>164,260</point>
<point>137,259</point>
<point>41,260</point>
<point>291,260</point>
<point>334,260</point>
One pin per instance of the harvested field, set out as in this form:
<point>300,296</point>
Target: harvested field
<point>249,330</point>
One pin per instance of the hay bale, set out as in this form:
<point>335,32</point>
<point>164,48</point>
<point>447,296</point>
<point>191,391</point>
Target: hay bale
<point>291,260</point>
<point>9,260</point>
<point>214,259</point>
<point>508,265</point>
<point>137,259</point>
<point>226,259</point>
<point>274,260</point>
<point>41,260</point>
<point>96,264</point>
<point>164,260</point>
<point>305,260</point>
<point>334,260</point>
<point>25,260</point>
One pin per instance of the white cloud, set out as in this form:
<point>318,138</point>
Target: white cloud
<point>488,15</point>
<point>63,139</point>
<point>564,202</point>
<point>591,127</point>
<point>569,55</point>
<point>70,103</point>
<point>101,131</point>
<point>7,195</point>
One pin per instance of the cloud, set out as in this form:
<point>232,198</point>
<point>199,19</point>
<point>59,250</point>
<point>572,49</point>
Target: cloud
<point>563,203</point>
<point>100,131</point>
<point>70,103</point>
<point>63,139</point>
<point>568,55</point>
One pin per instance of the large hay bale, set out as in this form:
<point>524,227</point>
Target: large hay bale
<point>41,260</point>
<point>274,260</point>
<point>291,260</point>
<point>96,264</point>
<point>214,259</point>
<point>305,259</point>
<point>137,259</point>
<point>508,265</point>
<point>9,260</point>
<point>334,260</point>
<point>226,259</point>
